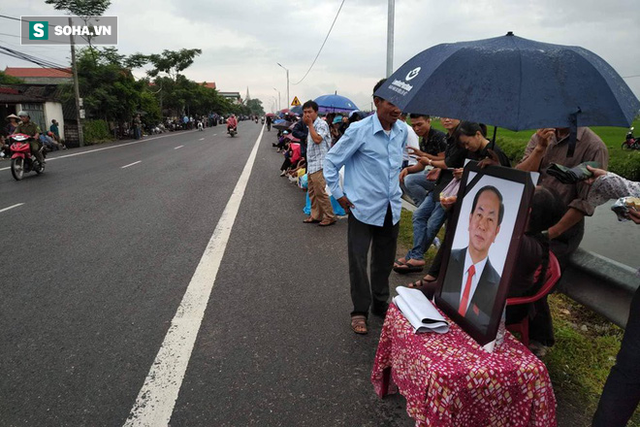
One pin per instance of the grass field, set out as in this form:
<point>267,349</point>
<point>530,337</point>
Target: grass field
<point>623,162</point>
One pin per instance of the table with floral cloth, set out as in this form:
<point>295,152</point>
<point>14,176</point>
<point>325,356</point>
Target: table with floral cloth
<point>449,380</point>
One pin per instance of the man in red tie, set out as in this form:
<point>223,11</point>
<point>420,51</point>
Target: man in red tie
<point>471,282</point>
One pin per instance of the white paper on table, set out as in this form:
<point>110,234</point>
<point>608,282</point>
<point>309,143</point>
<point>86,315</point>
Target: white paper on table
<point>419,311</point>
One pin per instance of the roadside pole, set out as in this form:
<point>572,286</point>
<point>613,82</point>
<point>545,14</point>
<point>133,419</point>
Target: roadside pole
<point>390,29</point>
<point>76,87</point>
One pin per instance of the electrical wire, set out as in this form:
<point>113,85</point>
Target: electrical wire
<point>630,77</point>
<point>323,43</point>
<point>34,59</point>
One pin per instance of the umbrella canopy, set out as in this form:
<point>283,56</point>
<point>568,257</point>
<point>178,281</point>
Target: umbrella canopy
<point>282,124</point>
<point>269,115</point>
<point>513,83</point>
<point>334,104</point>
<point>296,110</point>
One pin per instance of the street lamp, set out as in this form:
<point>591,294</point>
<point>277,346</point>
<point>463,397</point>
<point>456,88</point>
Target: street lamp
<point>279,103</point>
<point>287,70</point>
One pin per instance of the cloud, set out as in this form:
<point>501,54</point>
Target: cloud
<point>243,41</point>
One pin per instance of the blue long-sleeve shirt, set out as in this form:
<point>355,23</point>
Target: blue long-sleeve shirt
<point>372,161</point>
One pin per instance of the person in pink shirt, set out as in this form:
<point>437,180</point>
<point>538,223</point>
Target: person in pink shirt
<point>232,122</point>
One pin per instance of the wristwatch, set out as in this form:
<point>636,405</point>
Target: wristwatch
<point>430,162</point>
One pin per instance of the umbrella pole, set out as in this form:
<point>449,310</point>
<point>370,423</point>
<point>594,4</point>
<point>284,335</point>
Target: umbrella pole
<point>493,140</point>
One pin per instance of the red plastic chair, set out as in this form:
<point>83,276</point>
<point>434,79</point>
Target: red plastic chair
<point>553,275</point>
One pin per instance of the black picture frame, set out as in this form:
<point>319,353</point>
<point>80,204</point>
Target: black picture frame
<point>485,335</point>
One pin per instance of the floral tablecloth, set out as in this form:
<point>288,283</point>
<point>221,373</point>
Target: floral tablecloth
<point>449,380</point>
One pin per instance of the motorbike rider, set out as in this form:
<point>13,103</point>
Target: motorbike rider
<point>232,122</point>
<point>27,127</point>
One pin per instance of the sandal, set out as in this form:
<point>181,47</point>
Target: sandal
<point>359,324</point>
<point>408,268</point>
<point>398,262</point>
<point>311,221</point>
<point>327,222</point>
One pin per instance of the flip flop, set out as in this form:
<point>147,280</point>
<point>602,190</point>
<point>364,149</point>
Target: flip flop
<point>420,283</point>
<point>310,221</point>
<point>359,324</point>
<point>398,262</point>
<point>408,268</point>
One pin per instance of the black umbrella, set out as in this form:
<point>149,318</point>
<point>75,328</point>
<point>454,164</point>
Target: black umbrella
<point>513,83</point>
<point>282,125</point>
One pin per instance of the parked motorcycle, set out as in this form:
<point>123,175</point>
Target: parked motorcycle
<point>22,160</point>
<point>233,131</point>
<point>631,142</point>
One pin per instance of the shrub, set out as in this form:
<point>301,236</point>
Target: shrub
<point>96,132</point>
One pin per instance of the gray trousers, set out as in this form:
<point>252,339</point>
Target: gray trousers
<point>382,241</point>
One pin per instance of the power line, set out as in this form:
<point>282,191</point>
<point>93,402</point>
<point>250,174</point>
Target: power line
<point>630,77</point>
<point>323,43</point>
<point>30,58</point>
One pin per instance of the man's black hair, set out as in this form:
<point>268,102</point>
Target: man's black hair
<point>377,86</point>
<point>497,193</point>
<point>310,104</point>
<point>418,115</point>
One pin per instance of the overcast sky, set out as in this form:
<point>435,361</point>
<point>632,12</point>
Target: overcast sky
<point>242,40</point>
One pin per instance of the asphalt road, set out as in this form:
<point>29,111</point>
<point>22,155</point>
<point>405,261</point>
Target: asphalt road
<point>100,253</point>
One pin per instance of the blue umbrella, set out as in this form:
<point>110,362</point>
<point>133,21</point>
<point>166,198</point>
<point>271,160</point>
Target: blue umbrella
<point>334,104</point>
<point>296,110</point>
<point>513,83</point>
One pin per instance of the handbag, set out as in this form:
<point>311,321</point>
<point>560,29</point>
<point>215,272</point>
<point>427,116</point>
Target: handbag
<point>433,174</point>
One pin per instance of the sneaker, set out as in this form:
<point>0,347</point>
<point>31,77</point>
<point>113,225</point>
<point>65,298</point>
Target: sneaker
<point>282,173</point>
<point>437,243</point>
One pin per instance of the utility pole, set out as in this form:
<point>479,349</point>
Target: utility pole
<point>390,23</point>
<point>279,103</point>
<point>76,87</point>
<point>287,70</point>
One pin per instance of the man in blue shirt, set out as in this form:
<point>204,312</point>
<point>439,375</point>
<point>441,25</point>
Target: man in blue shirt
<point>371,152</point>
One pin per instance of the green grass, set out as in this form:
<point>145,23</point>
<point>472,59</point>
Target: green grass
<point>624,163</point>
<point>585,349</point>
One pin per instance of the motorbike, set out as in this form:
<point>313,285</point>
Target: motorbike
<point>631,142</point>
<point>22,160</point>
<point>233,131</point>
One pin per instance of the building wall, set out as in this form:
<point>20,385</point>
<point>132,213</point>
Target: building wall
<point>53,110</point>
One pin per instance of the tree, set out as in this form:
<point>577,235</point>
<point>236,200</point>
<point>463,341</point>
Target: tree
<point>82,8</point>
<point>9,80</point>
<point>254,107</point>
<point>172,62</point>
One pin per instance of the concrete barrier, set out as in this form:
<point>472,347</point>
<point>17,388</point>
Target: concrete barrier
<point>601,284</point>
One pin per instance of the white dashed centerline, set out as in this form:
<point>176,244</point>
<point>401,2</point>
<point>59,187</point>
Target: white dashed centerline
<point>158,394</point>
<point>11,207</point>
<point>178,147</point>
<point>134,163</point>
<point>201,139</point>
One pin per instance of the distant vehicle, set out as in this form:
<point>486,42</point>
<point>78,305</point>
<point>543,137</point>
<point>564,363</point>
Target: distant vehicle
<point>631,142</point>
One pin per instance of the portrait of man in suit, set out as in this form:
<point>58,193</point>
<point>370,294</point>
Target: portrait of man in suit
<point>471,282</point>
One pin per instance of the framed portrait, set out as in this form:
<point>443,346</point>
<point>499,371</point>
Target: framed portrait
<point>481,247</point>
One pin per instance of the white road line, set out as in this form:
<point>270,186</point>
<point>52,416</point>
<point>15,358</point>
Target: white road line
<point>201,139</point>
<point>157,398</point>
<point>131,164</point>
<point>102,149</point>
<point>11,207</point>
<point>178,147</point>
<point>215,134</point>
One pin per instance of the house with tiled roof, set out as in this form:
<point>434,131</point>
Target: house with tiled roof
<point>38,75</point>
<point>42,102</point>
